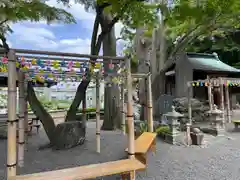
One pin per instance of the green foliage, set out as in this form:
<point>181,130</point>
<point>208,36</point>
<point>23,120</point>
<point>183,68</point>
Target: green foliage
<point>163,130</point>
<point>3,100</point>
<point>187,21</point>
<point>143,127</point>
<point>34,10</point>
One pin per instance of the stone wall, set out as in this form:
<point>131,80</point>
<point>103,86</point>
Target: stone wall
<point>199,108</point>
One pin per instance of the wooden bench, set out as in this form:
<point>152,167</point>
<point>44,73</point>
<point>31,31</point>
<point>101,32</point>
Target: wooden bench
<point>145,142</point>
<point>236,123</point>
<point>122,167</point>
<point>34,122</point>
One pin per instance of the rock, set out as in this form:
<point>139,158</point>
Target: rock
<point>199,109</point>
<point>196,130</point>
<point>69,134</point>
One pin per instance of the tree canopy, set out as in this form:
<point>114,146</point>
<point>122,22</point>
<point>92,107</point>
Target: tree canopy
<point>12,11</point>
<point>188,21</point>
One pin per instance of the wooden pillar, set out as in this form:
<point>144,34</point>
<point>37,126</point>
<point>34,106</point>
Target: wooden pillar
<point>123,117</point>
<point>222,99</point>
<point>98,113</point>
<point>209,93</point>
<point>25,111</point>
<point>189,103</point>
<point>149,104</point>
<point>131,139</point>
<point>227,103</point>
<point>21,124</point>
<point>12,119</point>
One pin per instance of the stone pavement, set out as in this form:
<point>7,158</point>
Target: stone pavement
<point>219,160</point>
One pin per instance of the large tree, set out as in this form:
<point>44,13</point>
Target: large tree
<point>13,11</point>
<point>108,13</point>
<point>68,134</point>
<point>186,22</point>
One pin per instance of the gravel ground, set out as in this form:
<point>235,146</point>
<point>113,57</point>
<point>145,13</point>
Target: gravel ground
<point>218,160</point>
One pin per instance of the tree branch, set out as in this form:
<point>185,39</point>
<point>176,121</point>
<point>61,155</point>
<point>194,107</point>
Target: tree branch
<point>4,43</point>
<point>94,34</point>
<point>2,22</point>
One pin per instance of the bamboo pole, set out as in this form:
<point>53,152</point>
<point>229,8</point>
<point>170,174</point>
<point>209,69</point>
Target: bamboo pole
<point>123,110</point>
<point>12,119</point>
<point>209,93</point>
<point>189,104</point>
<point>222,101</point>
<point>21,128</point>
<point>145,115</point>
<point>25,111</point>
<point>149,104</point>
<point>98,113</point>
<point>227,103</point>
<point>63,55</point>
<point>189,114</point>
<point>131,139</point>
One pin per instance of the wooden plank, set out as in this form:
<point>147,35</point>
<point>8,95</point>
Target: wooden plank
<point>143,143</point>
<point>86,172</point>
<point>50,53</point>
<point>236,121</point>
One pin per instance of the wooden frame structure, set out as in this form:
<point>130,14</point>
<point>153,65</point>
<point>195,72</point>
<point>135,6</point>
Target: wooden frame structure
<point>12,120</point>
<point>148,88</point>
<point>222,84</point>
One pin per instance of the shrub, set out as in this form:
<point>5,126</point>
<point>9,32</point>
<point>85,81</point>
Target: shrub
<point>163,130</point>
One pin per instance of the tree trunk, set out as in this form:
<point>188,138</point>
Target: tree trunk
<point>62,136</point>
<point>111,94</point>
<point>39,111</point>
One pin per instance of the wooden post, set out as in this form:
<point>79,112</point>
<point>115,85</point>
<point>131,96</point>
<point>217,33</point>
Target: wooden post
<point>123,110</point>
<point>12,119</point>
<point>98,113</point>
<point>21,124</point>
<point>189,103</point>
<point>25,111</point>
<point>227,103</point>
<point>209,94</point>
<point>131,139</point>
<point>222,100</point>
<point>149,104</point>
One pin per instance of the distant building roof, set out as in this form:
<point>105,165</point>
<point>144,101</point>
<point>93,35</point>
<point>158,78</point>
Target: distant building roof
<point>209,62</point>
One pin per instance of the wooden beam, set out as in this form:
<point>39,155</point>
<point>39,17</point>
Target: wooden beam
<point>86,172</point>
<point>50,53</point>
<point>46,58</point>
<point>139,75</point>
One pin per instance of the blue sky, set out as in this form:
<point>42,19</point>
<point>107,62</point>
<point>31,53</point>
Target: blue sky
<point>57,37</point>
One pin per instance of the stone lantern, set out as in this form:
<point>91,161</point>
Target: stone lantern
<point>173,122</point>
<point>216,120</point>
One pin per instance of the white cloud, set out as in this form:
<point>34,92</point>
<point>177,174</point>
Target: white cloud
<point>118,28</point>
<point>77,10</point>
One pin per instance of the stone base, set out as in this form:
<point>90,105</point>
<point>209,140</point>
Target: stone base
<point>172,139</point>
<point>220,131</point>
<point>196,138</point>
